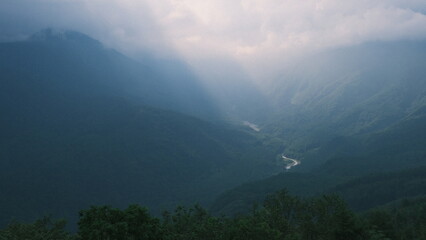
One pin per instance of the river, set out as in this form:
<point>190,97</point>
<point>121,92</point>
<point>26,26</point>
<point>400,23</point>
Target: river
<point>293,162</point>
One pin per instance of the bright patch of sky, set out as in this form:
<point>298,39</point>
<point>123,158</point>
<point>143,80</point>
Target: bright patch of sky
<point>257,34</point>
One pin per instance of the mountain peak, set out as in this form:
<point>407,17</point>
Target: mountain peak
<point>50,34</point>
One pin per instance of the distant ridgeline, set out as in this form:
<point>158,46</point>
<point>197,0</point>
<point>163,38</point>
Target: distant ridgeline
<point>72,62</point>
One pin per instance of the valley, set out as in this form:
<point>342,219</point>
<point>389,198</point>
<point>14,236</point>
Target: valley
<point>86,125</point>
<point>212,120</point>
<point>76,134</point>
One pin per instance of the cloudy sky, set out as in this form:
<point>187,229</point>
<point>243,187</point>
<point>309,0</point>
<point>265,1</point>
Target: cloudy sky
<point>257,34</point>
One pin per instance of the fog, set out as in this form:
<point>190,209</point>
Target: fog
<point>259,35</point>
<point>214,102</point>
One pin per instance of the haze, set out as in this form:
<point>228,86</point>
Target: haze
<point>293,106</point>
<point>257,35</point>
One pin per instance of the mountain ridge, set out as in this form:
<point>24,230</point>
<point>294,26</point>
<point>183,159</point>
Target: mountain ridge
<point>75,133</point>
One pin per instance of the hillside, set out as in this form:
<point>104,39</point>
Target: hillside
<point>399,146</point>
<point>241,199</point>
<point>75,132</point>
<point>348,93</point>
<point>69,63</point>
<point>382,188</point>
<point>350,113</point>
<point>361,193</point>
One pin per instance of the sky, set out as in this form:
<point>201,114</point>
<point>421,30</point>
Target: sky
<point>257,35</point>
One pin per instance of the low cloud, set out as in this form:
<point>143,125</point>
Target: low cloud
<point>259,34</point>
<point>262,33</point>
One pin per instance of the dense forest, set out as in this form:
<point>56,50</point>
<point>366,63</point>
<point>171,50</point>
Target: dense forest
<point>282,216</point>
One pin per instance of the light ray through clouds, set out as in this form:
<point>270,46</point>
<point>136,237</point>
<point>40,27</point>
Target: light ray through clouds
<point>259,34</point>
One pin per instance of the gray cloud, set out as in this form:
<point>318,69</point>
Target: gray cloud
<point>258,34</point>
<point>125,25</point>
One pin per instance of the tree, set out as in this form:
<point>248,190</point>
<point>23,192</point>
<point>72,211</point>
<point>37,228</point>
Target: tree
<point>134,223</point>
<point>283,211</point>
<point>140,225</point>
<point>193,223</point>
<point>42,229</point>
<point>102,222</point>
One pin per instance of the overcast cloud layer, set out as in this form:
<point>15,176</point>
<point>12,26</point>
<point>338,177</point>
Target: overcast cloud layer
<point>254,33</point>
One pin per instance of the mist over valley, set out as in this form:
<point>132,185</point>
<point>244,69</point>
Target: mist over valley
<point>119,121</point>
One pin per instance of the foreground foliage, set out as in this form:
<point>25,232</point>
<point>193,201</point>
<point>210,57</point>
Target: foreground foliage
<point>282,216</point>
<point>42,229</point>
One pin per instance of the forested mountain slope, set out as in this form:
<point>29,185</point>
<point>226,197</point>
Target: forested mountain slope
<point>361,193</point>
<point>356,112</point>
<point>348,92</point>
<point>76,131</point>
<point>67,62</point>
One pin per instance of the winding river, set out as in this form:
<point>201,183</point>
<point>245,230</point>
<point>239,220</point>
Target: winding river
<point>290,162</point>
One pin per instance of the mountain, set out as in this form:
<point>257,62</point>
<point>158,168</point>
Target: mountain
<point>84,125</point>
<point>356,119</point>
<point>81,126</point>
<point>241,199</point>
<point>84,64</point>
<point>399,146</point>
<point>349,93</point>
<point>361,193</point>
<point>379,189</point>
